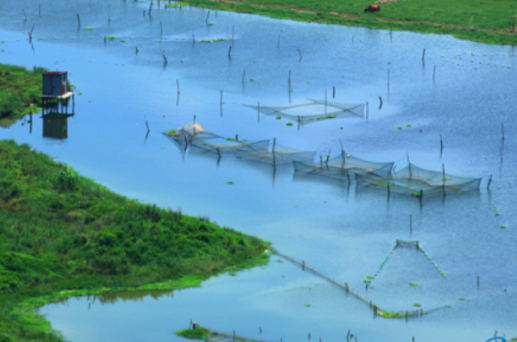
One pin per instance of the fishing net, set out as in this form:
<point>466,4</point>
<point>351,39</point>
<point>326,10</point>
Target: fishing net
<point>227,146</point>
<point>313,111</point>
<point>277,155</point>
<point>220,336</point>
<point>416,181</point>
<point>407,244</point>
<point>190,131</point>
<point>342,167</point>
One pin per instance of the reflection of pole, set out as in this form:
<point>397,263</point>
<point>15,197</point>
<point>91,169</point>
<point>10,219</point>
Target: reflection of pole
<point>274,158</point>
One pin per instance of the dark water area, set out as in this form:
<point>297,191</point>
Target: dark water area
<point>464,92</point>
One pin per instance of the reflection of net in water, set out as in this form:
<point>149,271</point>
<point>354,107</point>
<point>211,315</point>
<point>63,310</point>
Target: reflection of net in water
<point>417,181</point>
<point>342,167</point>
<point>410,244</point>
<point>313,111</point>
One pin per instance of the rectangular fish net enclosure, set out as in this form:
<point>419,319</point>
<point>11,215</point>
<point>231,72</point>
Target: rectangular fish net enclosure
<point>276,155</point>
<point>313,111</point>
<point>417,181</point>
<point>342,167</point>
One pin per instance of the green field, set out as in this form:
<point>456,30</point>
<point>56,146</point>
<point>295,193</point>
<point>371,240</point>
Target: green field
<point>490,21</point>
<point>62,235</point>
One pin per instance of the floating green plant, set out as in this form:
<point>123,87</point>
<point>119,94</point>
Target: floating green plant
<point>417,305</point>
<point>393,314</point>
<point>279,260</point>
<point>367,281</point>
<point>212,40</point>
<point>326,117</point>
<point>448,306</point>
<point>461,298</point>
<point>289,124</point>
<point>210,24</point>
<point>233,274</point>
<point>229,182</point>
<point>372,287</point>
<point>230,139</point>
<point>408,125</point>
<point>370,277</point>
<point>110,37</point>
<point>171,132</point>
<point>80,94</point>
<point>122,41</point>
<point>278,118</point>
<point>252,80</point>
<point>399,127</point>
<point>502,226</point>
<point>194,334</point>
<point>307,305</point>
<point>497,214</point>
<point>413,284</point>
<point>88,28</point>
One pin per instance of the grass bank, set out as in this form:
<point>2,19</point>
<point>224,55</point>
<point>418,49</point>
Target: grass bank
<point>64,235</point>
<point>490,21</point>
<point>19,92</point>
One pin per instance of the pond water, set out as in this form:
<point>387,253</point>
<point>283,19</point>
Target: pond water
<point>464,92</point>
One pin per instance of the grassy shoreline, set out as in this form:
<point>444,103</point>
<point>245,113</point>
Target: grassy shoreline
<point>488,22</point>
<point>19,92</point>
<point>63,235</point>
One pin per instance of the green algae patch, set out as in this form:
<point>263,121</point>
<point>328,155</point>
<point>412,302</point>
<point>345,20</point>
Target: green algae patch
<point>110,37</point>
<point>413,284</point>
<point>194,334</point>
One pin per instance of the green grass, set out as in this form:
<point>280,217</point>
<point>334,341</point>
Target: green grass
<point>488,21</point>
<point>19,88</point>
<point>179,4</point>
<point>64,235</point>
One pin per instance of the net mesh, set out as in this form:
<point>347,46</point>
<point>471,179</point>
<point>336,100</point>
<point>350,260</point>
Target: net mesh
<point>407,244</point>
<point>311,112</point>
<point>417,181</point>
<point>342,167</point>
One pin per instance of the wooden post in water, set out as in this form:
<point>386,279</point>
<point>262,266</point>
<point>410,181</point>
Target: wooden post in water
<point>421,197</point>
<point>489,182</point>
<point>367,110</point>
<point>109,13</point>
<point>178,85</point>
<point>230,52</point>
<point>443,179</point>
<point>274,157</point>
<point>150,7</point>
<point>300,53</point>
<point>410,225</point>
<point>221,99</point>
<point>78,20</point>
<point>165,61</point>
<point>333,92</point>
<point>207,15</point>
<point>478,282</point>
<point>380,105</point>
<point>423,57</point>
<point>502,131</point>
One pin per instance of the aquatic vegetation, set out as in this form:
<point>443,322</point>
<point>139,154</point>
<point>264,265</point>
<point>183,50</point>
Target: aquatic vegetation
<point>213,40</point>
<point>502,226</point>
<point>210,24</point>
<point>399,127</point>
<point>194,334</point>
<point>278,118</point>
<point>326,117</point>
<point>417,305</point>
<point>393,314</point>
<point>413,284</point>
<point>252,80</point>
<point>229,182</point>
<point>171,132</point>
<point>461,298</point>
<point>279,261</point>
<point>289,124</point>
<point>448,306</point>
<point>110,37</point>
<point>88,28</point>
<point>307,305</point>
<point>230,139</point>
